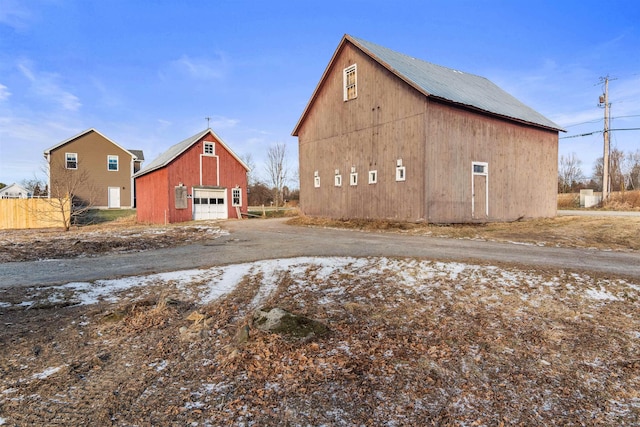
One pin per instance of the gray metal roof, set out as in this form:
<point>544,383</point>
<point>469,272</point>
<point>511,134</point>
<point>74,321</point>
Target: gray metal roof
<point>453,85</point>
<point>175,150</point>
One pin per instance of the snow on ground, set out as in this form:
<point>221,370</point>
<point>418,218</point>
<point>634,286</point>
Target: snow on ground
<point>206,285</point>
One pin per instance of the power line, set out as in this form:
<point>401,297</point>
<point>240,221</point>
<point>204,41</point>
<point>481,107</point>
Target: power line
<point>596,131</point>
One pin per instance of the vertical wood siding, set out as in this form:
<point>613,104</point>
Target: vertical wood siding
<point>370,132</point>
<point>92,150</point>
<point>437,143</point>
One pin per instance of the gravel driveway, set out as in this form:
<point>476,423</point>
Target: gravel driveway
<point>265,239</point>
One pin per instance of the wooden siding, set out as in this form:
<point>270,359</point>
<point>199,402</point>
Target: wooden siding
<point>30,213</point>
<point>186,169</point>
<point>522,166</point>
<point>93,149</point>
<point>370,132</point>
<point>437,144</point>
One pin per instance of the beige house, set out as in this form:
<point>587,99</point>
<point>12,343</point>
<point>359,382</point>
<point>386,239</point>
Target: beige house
<point>96,170</point>
<point>389,136</point>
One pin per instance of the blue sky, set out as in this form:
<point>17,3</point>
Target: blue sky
<point>147,73</point>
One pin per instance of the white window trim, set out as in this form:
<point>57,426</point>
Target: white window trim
<point>401,173</point>
<point>485,173</point>
<point>373,177</point>
<point>316,179</point>
<point>237,190</point>
<point>337,180</point>
<point>213,148</point>
<point>109,157</point>
<point>353,179</point>
<point>345,72</point>
<point>66,160</point>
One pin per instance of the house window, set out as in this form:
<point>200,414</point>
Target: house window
<point>337,181</point>
<point>208,148</point>
<point>400,173</point>
<point>373,177</point>
<point>350,80</point>
<point>316,179</point>
<point>71,160</point>
<point>112,163</point>
<point>236,197</point>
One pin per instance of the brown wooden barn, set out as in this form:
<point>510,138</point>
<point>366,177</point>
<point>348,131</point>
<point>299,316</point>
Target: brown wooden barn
<point>198,178</point>
<point>385,135</point>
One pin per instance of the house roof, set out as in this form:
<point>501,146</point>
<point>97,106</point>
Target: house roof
<point>138,153</point>
<point>175,150</point>
<point>73,138</point>
<point>12,188</point>
<point>443,83</point>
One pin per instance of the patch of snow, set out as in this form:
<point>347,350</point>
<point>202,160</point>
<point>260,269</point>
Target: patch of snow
<point>5,304</point>
<point>46,373</point>
<point>601,295</point>
<point>2,421</point>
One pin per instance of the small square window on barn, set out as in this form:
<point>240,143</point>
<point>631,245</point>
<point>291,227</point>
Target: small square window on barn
<point>112,163</point>
<point>337,179</point>
<point>71,161</point>
<point>353,178</point>
<point>236,197</point>
<point>401,174</point>
<point>373,177</point>
<point>208,148</point>
<point>350,82</point>
<point>316,179</point>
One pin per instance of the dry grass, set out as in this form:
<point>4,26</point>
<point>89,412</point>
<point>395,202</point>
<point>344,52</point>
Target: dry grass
<point>412,343</point>
<point>615,233</point>
<point>618,201</point>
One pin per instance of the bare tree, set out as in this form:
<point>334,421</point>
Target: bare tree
<point>569,172</point>
<point>631,170</point>
<point>64,185</point>
<point>252,178</point>
<point>36,186</point>
<point>277,170</point>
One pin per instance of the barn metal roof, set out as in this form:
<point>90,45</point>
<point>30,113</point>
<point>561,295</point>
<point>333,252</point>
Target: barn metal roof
<point>447,84</point>
<point>175,150</point>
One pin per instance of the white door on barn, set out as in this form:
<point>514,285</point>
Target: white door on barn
<point>209,203</point>
<point>114,197</point>
<point>479,190</point>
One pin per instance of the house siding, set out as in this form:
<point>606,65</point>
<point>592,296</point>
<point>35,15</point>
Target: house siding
<point>93,149</point>
<point>186,169</point>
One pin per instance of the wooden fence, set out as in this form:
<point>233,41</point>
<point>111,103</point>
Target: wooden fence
<point>30,213</point>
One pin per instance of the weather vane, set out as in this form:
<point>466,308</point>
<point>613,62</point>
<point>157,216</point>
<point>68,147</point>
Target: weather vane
<point>207,119</point>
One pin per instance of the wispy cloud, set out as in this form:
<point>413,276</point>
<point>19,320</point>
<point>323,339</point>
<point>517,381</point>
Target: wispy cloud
<point>4,92</point>
<point>46,86</point>
<point>202,68</point>
<point>14,14</point>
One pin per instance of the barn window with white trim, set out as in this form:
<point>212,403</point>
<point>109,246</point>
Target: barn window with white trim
<point>236,197</point>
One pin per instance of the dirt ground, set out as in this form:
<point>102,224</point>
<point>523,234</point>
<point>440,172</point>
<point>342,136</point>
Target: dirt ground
<point>411,342</point>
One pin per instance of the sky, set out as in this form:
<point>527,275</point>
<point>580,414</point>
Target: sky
<point>147,73</point>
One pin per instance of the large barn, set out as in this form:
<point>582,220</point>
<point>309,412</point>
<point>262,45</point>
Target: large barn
<point>199,178</point>
<point>389,136</point>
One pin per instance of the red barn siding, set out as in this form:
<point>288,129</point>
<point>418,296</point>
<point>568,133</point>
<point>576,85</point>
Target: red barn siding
<point>192,169</point>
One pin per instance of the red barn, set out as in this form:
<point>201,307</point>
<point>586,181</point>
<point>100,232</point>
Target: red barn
<point>198,178</point>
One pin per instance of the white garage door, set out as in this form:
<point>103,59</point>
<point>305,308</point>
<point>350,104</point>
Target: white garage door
<point>209,204</point>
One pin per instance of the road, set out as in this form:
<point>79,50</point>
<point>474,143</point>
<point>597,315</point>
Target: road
<point>267,239</point>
